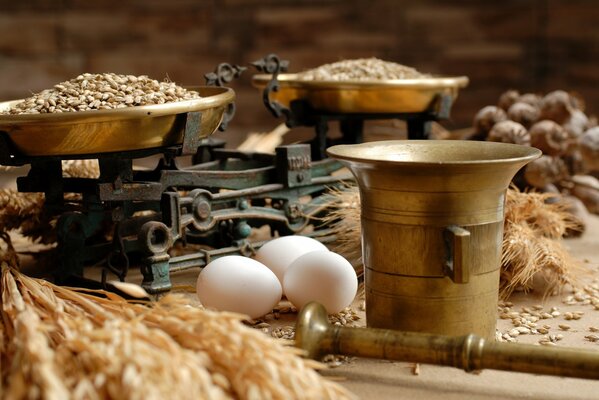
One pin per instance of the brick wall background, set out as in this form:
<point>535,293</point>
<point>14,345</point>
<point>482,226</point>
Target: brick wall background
<point>534,45</point>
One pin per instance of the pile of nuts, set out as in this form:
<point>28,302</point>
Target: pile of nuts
<point>102,92</point>
<point>362,69</point>
<point>556,124</point>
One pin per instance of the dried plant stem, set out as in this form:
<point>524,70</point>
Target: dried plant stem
<point>264,142</point>
<point>534,225</point>
<point>59,343</point>
<point>344,217</point>
<point>32,370</point>
<point>80,168</point>
<point>24,211</point>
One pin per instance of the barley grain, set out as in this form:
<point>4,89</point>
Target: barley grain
<point>546,343</point>
<point>100,91</point>
<point>592,338</point>
<point>363,69</point>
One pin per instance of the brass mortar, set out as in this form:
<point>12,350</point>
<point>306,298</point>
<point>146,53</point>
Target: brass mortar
<point>432,229</point>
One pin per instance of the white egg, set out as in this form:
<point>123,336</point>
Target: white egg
<point>279,253</point>
<point>238,284</point>
<point>321,276</point>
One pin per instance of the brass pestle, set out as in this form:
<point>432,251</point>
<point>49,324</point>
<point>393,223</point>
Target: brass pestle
<point>318,337</point>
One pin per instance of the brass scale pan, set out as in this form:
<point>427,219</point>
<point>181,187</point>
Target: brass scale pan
<point>391,96</point>
<point>116,130</point>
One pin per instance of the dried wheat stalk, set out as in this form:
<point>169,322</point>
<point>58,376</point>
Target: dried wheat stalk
<point>344,218</point>
<point>59,343</point>
<point>80,169</point>
<point>534,224</point>
<point>264,142</point>
<point>24,211</point>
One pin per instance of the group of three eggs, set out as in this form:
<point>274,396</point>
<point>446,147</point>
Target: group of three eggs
<point>299,267</point>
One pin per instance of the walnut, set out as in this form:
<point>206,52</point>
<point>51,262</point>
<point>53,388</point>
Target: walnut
<point>589,149</point>
<point>507,99</point>
<point>557,106</point>
<point>579,213</point>
<point>509,132</point>
<point>544,171</point>
<point>576,124</point>
<point>578,101</point>
<point>485,119</point>
<point>551,188</point>
<point>592,122</point>
<point>549,137</point>
<point>573,160</point>
<point>530,98</point>
<point>586,188</point>
<point>523,113</point>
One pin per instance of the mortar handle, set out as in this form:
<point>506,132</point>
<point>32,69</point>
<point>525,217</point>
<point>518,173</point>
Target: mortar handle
<point>457,243</point>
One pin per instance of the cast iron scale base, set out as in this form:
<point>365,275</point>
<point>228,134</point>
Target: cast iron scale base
<point>129,217</point>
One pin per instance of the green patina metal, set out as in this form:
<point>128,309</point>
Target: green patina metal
<point>131,218</point>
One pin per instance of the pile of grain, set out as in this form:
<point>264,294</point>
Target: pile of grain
<point>362,69</point>
<point>102,92</point>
